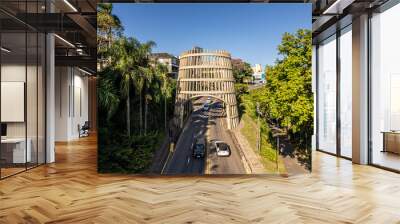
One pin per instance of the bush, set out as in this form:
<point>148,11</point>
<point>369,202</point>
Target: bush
<point>124,155</point>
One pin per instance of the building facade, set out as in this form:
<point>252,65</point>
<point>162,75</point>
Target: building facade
<point>258,76</point>
<point>356,81</point>
<point>206,73</point>
<point>170,61</point>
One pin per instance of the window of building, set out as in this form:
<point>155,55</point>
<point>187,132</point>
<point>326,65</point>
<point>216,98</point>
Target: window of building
<point>345,60</point>
<point>385,89</point>
<point>22,93</point>
<point>327,95</point>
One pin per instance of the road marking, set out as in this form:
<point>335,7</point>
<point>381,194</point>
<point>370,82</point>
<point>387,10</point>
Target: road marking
<point>166,162</point>
<point>178,143</point>
<point>188,161</point>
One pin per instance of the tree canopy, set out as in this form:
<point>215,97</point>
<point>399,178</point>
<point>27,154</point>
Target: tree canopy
<point>287,99</point>
<point>135,96</point>
<point>241,70</point>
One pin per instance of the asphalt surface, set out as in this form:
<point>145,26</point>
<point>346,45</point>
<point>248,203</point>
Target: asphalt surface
<point>218,131</point>
<point>182,161</point>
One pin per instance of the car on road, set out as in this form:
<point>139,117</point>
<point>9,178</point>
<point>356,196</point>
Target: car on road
<point>199,148</point>
<point>208,101</point>
<point>222,148</point>
<point>206,107</point>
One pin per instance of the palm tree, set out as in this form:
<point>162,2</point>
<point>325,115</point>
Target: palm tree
<point>162,72</point>
<point>123,51</point>
<point>109,26</point>
<point>139,83</point>
<point>107,94</point>
<point>143,74</point>
<point>148,75</point>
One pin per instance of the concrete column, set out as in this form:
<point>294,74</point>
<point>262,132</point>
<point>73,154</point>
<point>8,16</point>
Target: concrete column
<point>314,90</point>
<point>360,90</point>
<point>50,98</point>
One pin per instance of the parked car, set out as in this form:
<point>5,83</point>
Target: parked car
<point>222,148</point>
<point>199,148</point>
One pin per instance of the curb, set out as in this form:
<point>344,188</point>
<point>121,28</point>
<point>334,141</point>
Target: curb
<point>245,161</point>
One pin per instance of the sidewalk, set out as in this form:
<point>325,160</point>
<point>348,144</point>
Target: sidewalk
<point>253,159</point>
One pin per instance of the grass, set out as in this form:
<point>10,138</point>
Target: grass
<point>249,131</point>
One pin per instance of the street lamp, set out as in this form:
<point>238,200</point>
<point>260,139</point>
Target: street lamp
<point>259,128</point>
<point>277,133</point>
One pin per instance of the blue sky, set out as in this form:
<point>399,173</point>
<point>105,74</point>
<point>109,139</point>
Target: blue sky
<point>251,32</point>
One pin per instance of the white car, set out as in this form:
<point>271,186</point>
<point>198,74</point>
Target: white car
<point>208,101</point>
<point>222,148</point>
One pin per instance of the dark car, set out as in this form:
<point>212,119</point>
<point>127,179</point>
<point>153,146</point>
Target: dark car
<point>206,107</point>
<point>199,148</point>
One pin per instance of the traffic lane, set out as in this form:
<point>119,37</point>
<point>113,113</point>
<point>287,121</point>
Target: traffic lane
<point>233,163</point>
<point>223,165</point>
<point>181,161</point>
<point>197,165</point>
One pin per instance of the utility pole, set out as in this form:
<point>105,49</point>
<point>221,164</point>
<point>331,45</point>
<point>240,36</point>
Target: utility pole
<point>277,133</point>
<point>259,128</point>
<point>277,145</point>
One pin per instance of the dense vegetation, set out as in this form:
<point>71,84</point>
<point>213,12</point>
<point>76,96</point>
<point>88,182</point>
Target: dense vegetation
<point>242,71</point>
<point>286,101</point>
<point>135,96</point>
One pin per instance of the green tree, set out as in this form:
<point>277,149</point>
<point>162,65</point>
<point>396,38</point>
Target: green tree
<point>107,93</point>
<point>166,88</point>
<point>127,79</point>
<point>124,64</point>
<point>241,70</point>
<point>286,101</point>
<point>109,28</point>
<point>108,25</point>
<point>130,61</point>
<point>145,74</point>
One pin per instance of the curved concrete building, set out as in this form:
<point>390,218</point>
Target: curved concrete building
<point>206,73</point>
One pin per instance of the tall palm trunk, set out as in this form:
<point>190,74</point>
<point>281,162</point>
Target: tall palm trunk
<point>165,113</point>
<point>128,114</point>
<point>140,113</point>
<point>145,114</point>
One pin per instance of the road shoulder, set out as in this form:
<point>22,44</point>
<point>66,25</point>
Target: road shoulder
<point>252,159</point>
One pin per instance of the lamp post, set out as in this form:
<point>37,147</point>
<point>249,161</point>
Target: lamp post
<point>259,128</point>
<point>277,145</point>
<point>277,133</point>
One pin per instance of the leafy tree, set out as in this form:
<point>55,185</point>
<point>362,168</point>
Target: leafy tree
<point>107,93</point>
<point>241,70</point>
<point>129,79</point>
<point>166,88</point>
<point>109,27</point>
<point>286,102</point>
<point>289,102</point>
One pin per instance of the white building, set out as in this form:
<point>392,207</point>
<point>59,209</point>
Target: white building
<point>258,73</point>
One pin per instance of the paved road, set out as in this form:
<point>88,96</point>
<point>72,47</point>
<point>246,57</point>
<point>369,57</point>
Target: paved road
<point>256,86</point>
<point>218,131</point>
<point>182,162</point>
